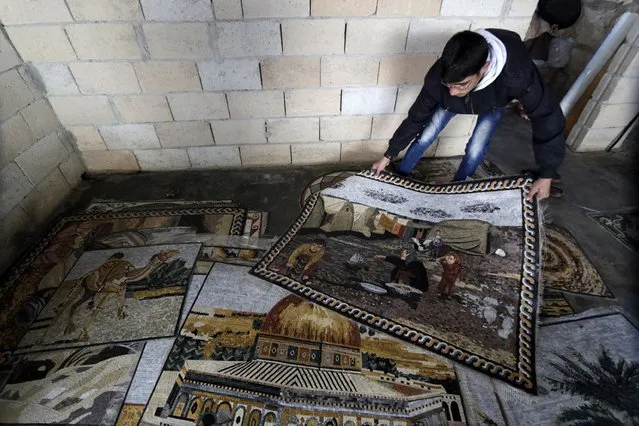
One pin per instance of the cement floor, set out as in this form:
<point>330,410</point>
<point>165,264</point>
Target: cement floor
<point>591,181</point>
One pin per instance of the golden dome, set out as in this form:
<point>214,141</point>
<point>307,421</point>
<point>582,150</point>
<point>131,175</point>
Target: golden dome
<point>296,318</point>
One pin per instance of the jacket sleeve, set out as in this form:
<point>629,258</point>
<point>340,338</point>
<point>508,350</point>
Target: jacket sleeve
<point>548,123</point>
<point>422,110</point>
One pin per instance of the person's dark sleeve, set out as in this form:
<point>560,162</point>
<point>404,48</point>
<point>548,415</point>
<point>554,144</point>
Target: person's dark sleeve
<point>422,110</point>
<point>549,144</point>
<point>395,260</point>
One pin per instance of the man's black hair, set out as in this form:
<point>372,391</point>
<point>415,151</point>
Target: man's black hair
<point>464,54</point>
<point>319,242</point>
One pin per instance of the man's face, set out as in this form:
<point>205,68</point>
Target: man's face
<point>450,259</point>
<point>315,247</point>
<point>464,87</point>
<point>467,85</point>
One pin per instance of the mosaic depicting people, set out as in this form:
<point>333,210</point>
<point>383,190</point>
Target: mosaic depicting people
<point>304,259</point>
<point>451,265</point>
<point>408,270</point>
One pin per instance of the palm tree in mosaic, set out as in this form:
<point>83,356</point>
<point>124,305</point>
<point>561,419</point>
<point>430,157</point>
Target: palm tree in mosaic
<point>610,389</point>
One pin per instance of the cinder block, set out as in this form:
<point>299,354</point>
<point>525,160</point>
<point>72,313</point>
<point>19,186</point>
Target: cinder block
<point>385,125</point>
<point>344,128</point>
<point>518,25</point>
<point>610,115</point>
<point>633,35</point>
<point>15,137</point>
<point>180,134</point>
<point>198,106</point>
<point>343,7</point>
<point>110,161</point>
<point>40,118</point>
<point>67,139</point>
<point>290,72</point>
<point>167,76</point>
<point>307,102</point>
<point>8,56</point>
<point>343,71</point>
<point>620,90</point>
<point>130,136</point>
<point>406,96</point>
<point>596,139</point>
<point>46,197</point>
<point>15,94</point>
<point>392,8</point>
<point>217,157</point>
<point>183,40</point>
<point>105,10</point>
<point>239,132</point>
<point>38,161</point>
<point>313,37</point>
<point>142,108</point>
<point>163,159</point>
<point>363,151</point>
<point>14,12</point>
<point>249,104</point>
<point>87,138</point>
<point>56,78</point>
<point>14,186</point>
<point>471,7</point>
<point>397,70</point>
<point>451,147</point>
<point>253,38</point>
<point>227,10</point>
<point>75,110</point>
<point>72,169</point>
<point>104,41</point>
<point>292,130</point>
<point>630,66</point>
<point>523,8</point>
<point>316,153</point>
<point>171,10</point>
<point>376,36</point>
<point>275,8</point>
<point>459,125</point>
<point>230,74</point>
<point>265,155</point>
<point>372,100</point>
<point>96,78</point>
<point>430,35</point>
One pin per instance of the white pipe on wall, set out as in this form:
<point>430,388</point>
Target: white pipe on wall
<point>603,54</point>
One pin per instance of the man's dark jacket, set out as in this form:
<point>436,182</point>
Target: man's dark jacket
<point>520,80</point>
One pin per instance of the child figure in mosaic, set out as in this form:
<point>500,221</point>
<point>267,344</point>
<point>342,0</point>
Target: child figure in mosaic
<point>451,265</point>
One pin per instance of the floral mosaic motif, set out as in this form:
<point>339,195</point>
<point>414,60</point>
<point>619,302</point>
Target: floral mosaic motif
<point>480,208</point>
<point>387,198</point>
<point>436,213</point>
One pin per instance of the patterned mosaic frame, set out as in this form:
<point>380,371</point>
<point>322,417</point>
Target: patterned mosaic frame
<point>524,376</point>
<point>237,228</point>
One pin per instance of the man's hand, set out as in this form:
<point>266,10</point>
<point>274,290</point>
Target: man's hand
<point>541,188</point>
<point>380,165</point>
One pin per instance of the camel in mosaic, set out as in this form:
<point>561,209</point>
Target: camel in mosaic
<point>110,279</point>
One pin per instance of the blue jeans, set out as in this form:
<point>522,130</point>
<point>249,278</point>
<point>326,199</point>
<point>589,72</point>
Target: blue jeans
<point>475,148</point>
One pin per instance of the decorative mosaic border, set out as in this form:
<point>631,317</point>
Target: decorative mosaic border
<point>237,228</point>
<point>524,376</point>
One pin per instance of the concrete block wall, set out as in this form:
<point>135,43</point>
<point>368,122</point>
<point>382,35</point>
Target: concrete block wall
<point>614,102</point>
<point>39,162</point>
<point>173,84</point>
